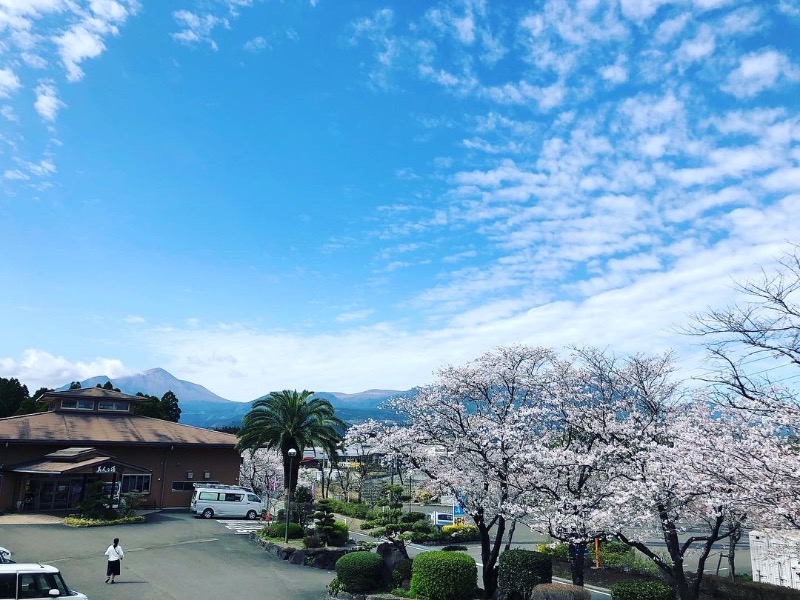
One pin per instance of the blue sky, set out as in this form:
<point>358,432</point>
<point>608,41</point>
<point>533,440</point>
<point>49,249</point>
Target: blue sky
<point>258,195</point>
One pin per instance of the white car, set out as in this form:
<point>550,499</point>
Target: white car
<point>32,580</point>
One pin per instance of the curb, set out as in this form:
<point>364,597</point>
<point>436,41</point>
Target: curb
<point>592,588</point>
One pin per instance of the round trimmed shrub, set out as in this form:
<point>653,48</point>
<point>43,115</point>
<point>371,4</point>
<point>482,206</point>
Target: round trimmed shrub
<point>278,530</point>
<point>423,527</point>
<point>554,591</point>
<point>339,534</point>
<point>520,571</point>
<point>438,575</point>
<point>462,533</point>
<point>360,571</point>
<point>413,517</point>
<point>641,590</point>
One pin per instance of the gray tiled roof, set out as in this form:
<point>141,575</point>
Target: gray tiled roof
<point>104,429</point>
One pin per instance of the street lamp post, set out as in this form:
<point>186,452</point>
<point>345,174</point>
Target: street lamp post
<point>292,452</point>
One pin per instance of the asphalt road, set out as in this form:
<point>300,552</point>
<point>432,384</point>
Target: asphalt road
<point>174,556</point>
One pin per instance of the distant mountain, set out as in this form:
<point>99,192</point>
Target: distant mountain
<point>370,399</point>
<point>156,382</point>
<point>203,408</point>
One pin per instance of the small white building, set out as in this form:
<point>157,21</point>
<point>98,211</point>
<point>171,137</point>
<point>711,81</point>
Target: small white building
<point>775,557</point>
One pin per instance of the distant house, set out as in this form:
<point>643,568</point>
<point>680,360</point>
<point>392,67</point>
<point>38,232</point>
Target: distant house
<point>47,459</point>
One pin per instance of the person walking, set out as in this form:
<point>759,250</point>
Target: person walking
<point>115,555</point>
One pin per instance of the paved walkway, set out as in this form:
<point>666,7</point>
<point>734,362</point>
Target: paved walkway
<point>29,519</point>
<point>33,518</point>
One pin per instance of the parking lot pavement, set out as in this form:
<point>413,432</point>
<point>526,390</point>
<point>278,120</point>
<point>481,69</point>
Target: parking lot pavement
<point>241,527</point>
<point>173,556</point>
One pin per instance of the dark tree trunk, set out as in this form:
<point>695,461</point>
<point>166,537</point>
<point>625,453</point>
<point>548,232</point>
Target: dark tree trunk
<point>577,561</point>
<point>490,550</point>
<point>736,535</point>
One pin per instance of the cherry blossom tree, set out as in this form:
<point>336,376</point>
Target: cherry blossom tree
<point>754,351</point>
<point>615,448</point>
<point>572,462</point>
<point>262,471</point>
<point>459,436</point>
<point>682,483</point>
<point>358,442</point>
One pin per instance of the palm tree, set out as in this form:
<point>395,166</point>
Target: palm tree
<point>286,420</point>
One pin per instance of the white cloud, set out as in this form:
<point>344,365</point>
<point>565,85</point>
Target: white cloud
<point>465,27</point>
<point>75,46</point>
<point>639,312</point>
<point>109,10</point>
<point>44,168</point>
<point>47,102</point>
<point>197,28</point>
<point>743,21</point>
<point>38,368</point>
<point>616,73</point>
<point>9,83</point>
<point>757,72</point>
<point>698,48</point>
<point>15,175</point>
<point>256,45</point>
<point>135,319</point>
<point>789,7</point>
<point>783,180</point>
<point>640,10</point>
<point>668,29</point>
<point>711,4</point>
<point>8,113</point>
<point>354,315</point>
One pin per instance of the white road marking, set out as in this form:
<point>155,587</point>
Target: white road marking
<point>242,527</point>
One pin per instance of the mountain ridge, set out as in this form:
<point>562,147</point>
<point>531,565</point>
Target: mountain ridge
<point>203,408</point>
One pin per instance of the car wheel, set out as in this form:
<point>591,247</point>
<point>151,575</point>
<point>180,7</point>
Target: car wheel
<point>251,515</point>
<point>208,513</point>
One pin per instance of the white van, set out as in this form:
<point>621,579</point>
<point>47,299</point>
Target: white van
<point>32,580</point>
<point>215,500</point>
<point>441,519</point>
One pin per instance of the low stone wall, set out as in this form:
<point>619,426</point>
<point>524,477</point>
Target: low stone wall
<point>319,558</point>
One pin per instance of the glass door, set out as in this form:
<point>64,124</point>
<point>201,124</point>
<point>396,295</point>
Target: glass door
<point>46,493</point>
<point>61,494</point>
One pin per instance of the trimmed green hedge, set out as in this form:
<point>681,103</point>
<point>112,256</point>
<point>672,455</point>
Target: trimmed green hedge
<point>339,534</point>
<point>737,589</point>
<point>554,591</point>
<point>438,575</point>
<point>556,550</point>
<point>402,571</point>
<point>278,530</point>
<point>350,509</point>
<point>360,572</point>
<point>461,533</point>
<point>641,590</point>
<point>522,570</point>
<point>82,522</point>
<point>413,517</point>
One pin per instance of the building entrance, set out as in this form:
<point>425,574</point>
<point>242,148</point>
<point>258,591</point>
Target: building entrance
<point>54,494</point>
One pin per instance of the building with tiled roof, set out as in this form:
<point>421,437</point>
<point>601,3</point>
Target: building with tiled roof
<point>47,459</point>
